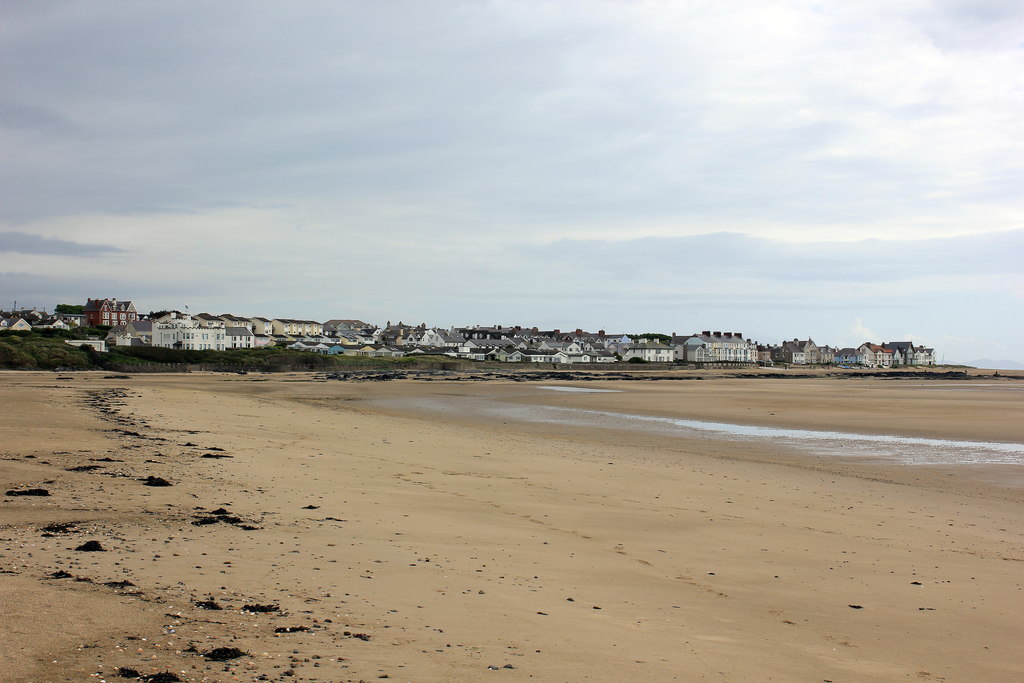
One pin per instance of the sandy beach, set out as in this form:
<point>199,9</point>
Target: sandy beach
<point>456,531</point>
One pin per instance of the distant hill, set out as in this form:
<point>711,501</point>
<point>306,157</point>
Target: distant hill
<point>989,364</point>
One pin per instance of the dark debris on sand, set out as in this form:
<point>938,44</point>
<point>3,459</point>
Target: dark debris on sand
<point>28,492</point>
<point>361,636</point>
<point>223,654</point>
<point>220,516</point>
<point>162,677</point>
<point>261,608</point>
<point>91,547</point>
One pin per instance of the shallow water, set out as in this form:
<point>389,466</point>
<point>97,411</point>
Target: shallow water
<point>911,450</point>
<point>908,450</point>
<point>579,390</point>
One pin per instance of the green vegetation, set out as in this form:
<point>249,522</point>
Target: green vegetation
<point>652,336</point>
<point>69,308</point>
<point>47,350</point>
<point>266,358</point>
<point>30,351</point>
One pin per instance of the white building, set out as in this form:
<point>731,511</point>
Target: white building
<point>138,333</point>
<point>181,331</point>
<point>652,352</point>
<point>97,345</point>
<point>239,338</point>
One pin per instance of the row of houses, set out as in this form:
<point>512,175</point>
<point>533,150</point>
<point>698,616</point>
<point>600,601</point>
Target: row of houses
<point>513,344</point>
<point>868,354</point>
<point>35,319</point>
<point>177,330</point>
<point>106,312</point>
<point>704,348</point>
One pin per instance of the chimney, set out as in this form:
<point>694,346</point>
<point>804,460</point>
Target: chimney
<point>706,333</point>
<point>728,335</point>
<point>558,332</point>
<point>717,333</point>
<point>738,334</point>
<point>579,332</point>
<point>600,333</point>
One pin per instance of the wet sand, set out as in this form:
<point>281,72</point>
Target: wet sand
<point>427,548</point>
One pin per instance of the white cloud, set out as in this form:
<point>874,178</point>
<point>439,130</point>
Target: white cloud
<point>860,331</point>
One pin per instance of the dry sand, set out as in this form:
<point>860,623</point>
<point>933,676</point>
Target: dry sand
<point>418,548</point>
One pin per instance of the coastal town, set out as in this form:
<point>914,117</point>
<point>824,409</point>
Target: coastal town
<point>120,324</point>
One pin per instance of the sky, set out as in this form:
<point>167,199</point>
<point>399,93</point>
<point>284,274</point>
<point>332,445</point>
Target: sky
<point>844,171</point>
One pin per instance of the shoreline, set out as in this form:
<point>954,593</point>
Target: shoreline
<point>683,559</point>
<point>738,402</point>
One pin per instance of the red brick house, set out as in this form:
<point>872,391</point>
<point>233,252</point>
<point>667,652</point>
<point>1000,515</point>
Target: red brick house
<point>109,312</point>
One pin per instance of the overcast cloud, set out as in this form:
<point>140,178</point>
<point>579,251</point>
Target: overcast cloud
<point>21,243</point>
<point>824,169</point>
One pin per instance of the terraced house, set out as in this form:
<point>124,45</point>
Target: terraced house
<point>715,347</point>
<point>289,327</point>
